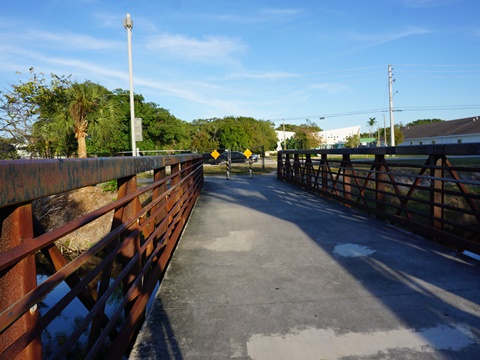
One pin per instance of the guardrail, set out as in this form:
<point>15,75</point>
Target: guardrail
<point>131,258</point>
<point>415,187</point>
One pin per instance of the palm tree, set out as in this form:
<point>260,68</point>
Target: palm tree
<point>87,109</point>
<point>371,123</point>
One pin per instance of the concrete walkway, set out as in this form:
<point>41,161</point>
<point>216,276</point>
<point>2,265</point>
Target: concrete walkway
<point>267,271</point>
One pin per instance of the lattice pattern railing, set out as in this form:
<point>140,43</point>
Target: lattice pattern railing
<point>131,258</point>
<point>416,187</point>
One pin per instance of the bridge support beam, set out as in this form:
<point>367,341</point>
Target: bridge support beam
<point>16,225</point>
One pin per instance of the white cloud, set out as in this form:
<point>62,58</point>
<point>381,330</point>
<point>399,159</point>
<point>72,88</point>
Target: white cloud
<point>114,78</point>
<point>261,16</point>
<point>331,88</point>
<point>375,39</point>
<point>283,12</point>
<point>76,41</point>
<point>372,40</point>
<point>64,40</point>
<point>112,21</point>
<point>274,75</point>
<point>211,49</point>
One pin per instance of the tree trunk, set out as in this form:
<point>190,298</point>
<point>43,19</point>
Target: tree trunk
<point>82,146</point>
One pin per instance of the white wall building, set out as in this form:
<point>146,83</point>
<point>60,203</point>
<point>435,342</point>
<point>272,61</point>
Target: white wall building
<point>330,138</point>
<point>338,137</point>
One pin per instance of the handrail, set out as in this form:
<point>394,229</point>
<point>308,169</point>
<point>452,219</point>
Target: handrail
<point>415,187</point>
<point>147,223</point>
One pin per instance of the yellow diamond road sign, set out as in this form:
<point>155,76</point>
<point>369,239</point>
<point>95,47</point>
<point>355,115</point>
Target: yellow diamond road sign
<point>215,154</point>
<point>247,153</point>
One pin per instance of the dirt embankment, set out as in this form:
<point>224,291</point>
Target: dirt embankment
<point>57,210</point>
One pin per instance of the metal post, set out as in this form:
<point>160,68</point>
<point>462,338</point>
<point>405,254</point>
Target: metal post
<point>378,134</point>
<point>16,225</point>
<point>250,167</point>
<point>392,126</point>
<point>227,163</point>
<point>128,24</point>
<point>384,131</point>
<point>263,158</point>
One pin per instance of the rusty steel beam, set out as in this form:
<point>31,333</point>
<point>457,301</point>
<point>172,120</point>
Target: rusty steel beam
<point>18,280</point>
<point>437,197</point>
<point>440,149</point>
<point>19,179</point>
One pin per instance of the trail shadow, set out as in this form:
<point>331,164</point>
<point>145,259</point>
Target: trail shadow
<point>157,339</point>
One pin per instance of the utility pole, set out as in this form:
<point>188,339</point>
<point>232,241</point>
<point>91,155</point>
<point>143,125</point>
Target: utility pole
<point>384,131</point>
<point>378,134</point>
<point>390,95</point>
<point>284,140</point>
<point>128,24</point>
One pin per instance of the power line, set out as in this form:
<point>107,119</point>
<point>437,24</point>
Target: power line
<point>446,107</point>
<point>381,110</point>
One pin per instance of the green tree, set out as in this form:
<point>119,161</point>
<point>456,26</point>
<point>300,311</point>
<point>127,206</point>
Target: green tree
<point>397,134</point>
<point>352,141</point>
<point>371,123</point>
<point>85,109</point>
<point>162,130</point>
<point>120,139</point>
<point>288,127</point>
<point>7,150</point>
<point>423,121</point>
<point>306,136</point>
<point>43,115</point>
<point>50,140</point>
<point>263,134</point>
<point>20,107</point>
<point>205,134</point>
<point>233,132</point>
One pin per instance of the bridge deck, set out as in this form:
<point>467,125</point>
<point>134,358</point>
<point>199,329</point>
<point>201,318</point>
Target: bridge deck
<point>267,271</point>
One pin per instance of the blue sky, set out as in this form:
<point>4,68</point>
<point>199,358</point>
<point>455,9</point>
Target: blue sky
<point>269,59</point>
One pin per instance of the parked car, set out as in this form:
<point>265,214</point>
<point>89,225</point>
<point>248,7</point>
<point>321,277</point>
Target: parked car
<point>207,158</point>
<point>236,156</point>
<point>254,157</point>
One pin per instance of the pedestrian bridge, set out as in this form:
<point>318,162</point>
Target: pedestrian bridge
<point>263,268</point>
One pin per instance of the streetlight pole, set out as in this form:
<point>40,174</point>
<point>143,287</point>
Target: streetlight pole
<point>392,126</point>
<point>128,24</point>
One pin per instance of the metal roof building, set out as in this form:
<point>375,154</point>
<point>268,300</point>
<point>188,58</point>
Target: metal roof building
<point>465,130</point>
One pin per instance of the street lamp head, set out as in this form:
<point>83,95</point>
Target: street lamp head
<point>128,22</point>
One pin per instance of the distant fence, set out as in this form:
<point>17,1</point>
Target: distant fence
<point>121,268</point>
<point>433,190</point>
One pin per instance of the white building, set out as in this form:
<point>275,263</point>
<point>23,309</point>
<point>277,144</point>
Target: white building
<point>330,138</point>
<point>338,137</point>
<point>446,132</point>
<point>282,137</point>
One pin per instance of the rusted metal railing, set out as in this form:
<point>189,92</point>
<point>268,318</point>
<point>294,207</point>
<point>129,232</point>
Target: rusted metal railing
<point>130,259</point>
<point>416,187</point>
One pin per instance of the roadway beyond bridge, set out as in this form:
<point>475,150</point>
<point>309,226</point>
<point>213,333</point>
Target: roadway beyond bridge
<point>265,270</point>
